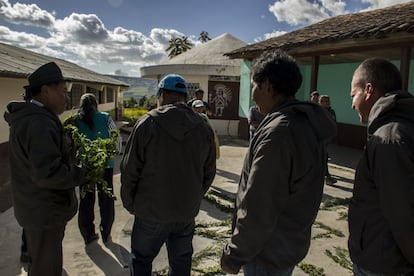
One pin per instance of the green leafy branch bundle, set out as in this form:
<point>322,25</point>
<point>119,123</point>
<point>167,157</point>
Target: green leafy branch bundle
<point>93,156</point>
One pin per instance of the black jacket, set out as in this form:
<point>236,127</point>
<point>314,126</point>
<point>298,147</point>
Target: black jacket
<point>168,165</point>
<point>43,178</point>
<point>280,187</point>
<point>381,212</point>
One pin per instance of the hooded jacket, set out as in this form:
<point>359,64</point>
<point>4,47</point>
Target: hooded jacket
<point>168,165</point>
<point>280,187</point>
<point>43,178</point>
<point>381,212</point>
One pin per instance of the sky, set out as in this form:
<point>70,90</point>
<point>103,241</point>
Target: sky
<point>120,36</point>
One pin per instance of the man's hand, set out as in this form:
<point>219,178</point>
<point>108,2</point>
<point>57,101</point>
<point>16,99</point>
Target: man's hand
<point>226,268</point>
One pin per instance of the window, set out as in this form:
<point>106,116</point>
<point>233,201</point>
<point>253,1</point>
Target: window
<point>109,95</point>
<point>74,95</point>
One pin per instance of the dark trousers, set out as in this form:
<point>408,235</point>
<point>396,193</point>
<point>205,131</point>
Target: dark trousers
<point>45,250</point>
<point>86,213</point>
<point>23,247</point>
<point>147,239</point>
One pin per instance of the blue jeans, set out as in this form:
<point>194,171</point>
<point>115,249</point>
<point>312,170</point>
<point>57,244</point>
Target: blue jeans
<point>359,271</point>
<point>252,269</point>
<point>147,239</point>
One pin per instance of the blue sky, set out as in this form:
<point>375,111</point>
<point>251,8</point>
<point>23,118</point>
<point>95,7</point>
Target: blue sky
<point>120,36</point>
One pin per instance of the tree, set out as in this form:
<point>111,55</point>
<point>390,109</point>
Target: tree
<point>178,45</point>
<point>131,102</point>
<point>204,37</point>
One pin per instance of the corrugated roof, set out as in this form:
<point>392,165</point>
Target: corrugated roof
<point>211,52</point>
<point>17,62</point>
<point>376,24</point>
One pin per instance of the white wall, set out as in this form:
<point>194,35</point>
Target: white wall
<point>11,89</point>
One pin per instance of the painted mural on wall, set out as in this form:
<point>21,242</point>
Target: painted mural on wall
<point>223,98</point>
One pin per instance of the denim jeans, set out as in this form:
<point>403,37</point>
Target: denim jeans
<point>147,239</point>
<point>359,271</point>
<point>252,269</point>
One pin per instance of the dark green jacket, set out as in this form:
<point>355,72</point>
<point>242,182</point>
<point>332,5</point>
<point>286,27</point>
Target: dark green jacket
<point>43,179</point>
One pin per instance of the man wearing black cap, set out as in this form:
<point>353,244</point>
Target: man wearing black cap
<point>43,178</point>
<point>168,165</point>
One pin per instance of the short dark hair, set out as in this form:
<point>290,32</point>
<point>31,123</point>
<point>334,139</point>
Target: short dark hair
<point>280,69</point>
<point>199,91</point>
<point>383,74</point>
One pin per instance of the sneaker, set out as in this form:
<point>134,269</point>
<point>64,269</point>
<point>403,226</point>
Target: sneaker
<point>24,257</point>
<point>329,180</point>
<point>91,239</point>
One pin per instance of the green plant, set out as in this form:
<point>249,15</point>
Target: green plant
<point>340,257</point>
<point>93,156</point>
<point>312,270</point>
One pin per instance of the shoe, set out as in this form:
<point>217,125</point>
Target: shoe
<point>91,239</point>
<point>24,257</point>
<point>329,180</point>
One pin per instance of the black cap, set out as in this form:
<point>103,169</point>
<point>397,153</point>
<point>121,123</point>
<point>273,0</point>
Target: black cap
<point>45,74</point>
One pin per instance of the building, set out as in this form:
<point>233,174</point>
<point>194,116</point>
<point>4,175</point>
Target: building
<point>329,51</point>
<point>15,66</point>
<point>206,67</point>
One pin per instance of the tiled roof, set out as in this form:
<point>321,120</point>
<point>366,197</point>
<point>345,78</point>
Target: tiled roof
<point>375,24</point>
<point>19,63</point>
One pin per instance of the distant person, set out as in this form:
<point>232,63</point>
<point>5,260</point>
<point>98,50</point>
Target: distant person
<point>325,102</point>
<point>198,106</point>
<point>281,183</point>
<point>254,118</point>
<point>381,211</point>
<point>43,175</point>
<point>94,124</point>
<point>199,94</point>
<point>314,97</point>
<point>168,165</point>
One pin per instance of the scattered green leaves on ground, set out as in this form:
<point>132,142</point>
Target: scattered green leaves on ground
<point>311,269</point>
<point>329,230</point>
<point>335,203</point>
<point>341,257</point>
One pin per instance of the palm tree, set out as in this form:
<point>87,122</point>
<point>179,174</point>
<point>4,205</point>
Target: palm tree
<point>204,37</point>
<point>178,45</point>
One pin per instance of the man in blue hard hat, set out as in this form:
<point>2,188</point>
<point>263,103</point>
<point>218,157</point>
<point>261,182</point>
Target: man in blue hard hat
<point>168,165</point>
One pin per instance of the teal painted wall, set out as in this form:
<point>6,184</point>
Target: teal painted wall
<point>333,80</point>
<point>245,98</point>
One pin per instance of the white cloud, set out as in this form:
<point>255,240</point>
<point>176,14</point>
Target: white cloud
<point>377,4</point>
<point>303,12</point>
<point>84,39</point>
<point>83,28</point>
<point>26,14</point>
<point>269,35</point>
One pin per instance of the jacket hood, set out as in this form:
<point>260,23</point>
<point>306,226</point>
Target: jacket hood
<point>16,110</point>
<point>320,119</point>
<point>397,104</point>
<point>176,119</point>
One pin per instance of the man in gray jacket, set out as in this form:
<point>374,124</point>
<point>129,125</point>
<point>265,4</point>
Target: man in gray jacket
<point>283,174</point>
<point>168,165</point>
<point>43,177</point>
<point>381,212</point>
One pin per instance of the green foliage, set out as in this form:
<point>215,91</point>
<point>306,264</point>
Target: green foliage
<point>131,102</point>
<point>311,269</point>
<point>178,45</point>
<point>340,257</point>
<point>93,156</point>
<point>329,229</point>
<point>335,203</point>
